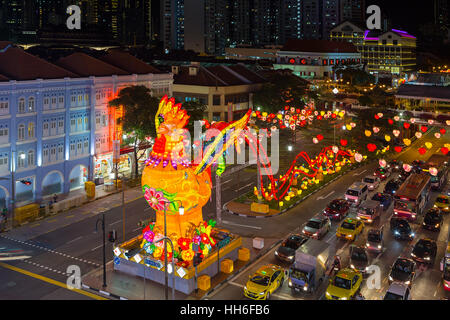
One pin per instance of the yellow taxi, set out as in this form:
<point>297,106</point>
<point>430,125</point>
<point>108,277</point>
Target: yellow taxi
<point>345,285</point>
<point>349,229</point>
<point>264,282</point>
<point>443,203</point>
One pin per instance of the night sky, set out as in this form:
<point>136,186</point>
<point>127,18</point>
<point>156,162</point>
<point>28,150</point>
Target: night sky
<point>406,14</point>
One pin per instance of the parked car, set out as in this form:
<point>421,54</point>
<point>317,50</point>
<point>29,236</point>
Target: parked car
<point>372,182</point>
<point>401,229</point>
<point>317,227</point>
<point>398,291</point>
<point>337,209</point>
<point>425,251</point>
<point>368,211</point>
<point>375,240</point>
<point>384,199</point>
<point>382,173</point>
<point>286,251</point>
<point>392,186</point>
<point>359,259</point>
<point>433,220</point>
<point>403,270</point>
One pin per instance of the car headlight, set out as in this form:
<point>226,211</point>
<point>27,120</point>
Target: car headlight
<point>412,254</point>
<point>396,232</point>
<point>408,282</point>
<point>367,269</point>
<point>367,244</point>
<point>352,266</point>
<point>276,253</point>
<point>437,225</point>
<point>446,208</point>
<point>435,206</point>
<point>290,283</point>
<point>303,231</point>
<point>344,298</point>
<point>391,279</point>
<point>427,258</point>
<point>262,293</point>
<point>413,234</point>
<point>379,246</point>
<point>327,294</point>
<point>349,236</point>
<point>245,288</point>
<point>291,257</point>
<point>305,287</point>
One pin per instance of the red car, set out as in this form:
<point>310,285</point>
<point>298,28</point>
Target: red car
<point>337,209</point>
<point>382,173</point>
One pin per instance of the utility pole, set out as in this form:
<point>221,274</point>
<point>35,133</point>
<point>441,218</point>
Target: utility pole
<point>13,188</point>
<point>218,199</point>
<point>123,206</point>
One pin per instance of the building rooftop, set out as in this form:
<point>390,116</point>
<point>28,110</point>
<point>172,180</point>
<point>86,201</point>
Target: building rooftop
<point>16,64</point>
<point>218,75</point>
<point>424,91</point>
<point>128,62</point>
<point>86,66</point>
<point>298,45</point>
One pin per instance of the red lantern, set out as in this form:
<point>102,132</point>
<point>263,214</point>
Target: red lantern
<point>422,150</point>
<point>377,117</point>
<point>442,131</point>
<point>371,147</point>
<point>333,115</point>
<point>398,149</point>
<point>406,125</point>
<point>444,150</point>
<point>344,142</point>
<point>391,121</point>
<point>424,129</point>
<point>319,137</point>
<point>319,117</point>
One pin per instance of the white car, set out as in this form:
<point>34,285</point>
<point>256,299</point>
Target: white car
<point>372,182</point>
<point>398,291</point>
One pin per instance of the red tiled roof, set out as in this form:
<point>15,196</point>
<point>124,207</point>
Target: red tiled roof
<point>203,78</point>
<point>298,45</point>
<point>19,65</point>
<point>128,62</point>
<point>4,44</point>
<point>247,73</point>
<point>87,66</point>
<point>3,78</point>
<point>227,76</point>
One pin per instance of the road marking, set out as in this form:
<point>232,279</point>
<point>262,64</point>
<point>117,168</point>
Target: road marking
<point>358,174</point>
<point>115,222</point>
<point>74,239</point>
<point>240,225</point>
<point>51,281</point>
<point>51,221</point>
<point>71,216</point>
<point>324,197</point>
<point>236,284</point>
<point>97,247</point>
<point>137,229</point>
<point>35,225</point>
<point>86,212</point>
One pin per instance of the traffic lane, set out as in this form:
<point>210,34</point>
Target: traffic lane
<point>409,157</point>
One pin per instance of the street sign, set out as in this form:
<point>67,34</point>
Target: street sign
<point>181,272</point>
<point>153,263</point>
<point>116,261</point>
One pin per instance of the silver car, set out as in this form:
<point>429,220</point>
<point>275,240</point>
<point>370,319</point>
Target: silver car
<point>317,227</point>
<point>372,182</point>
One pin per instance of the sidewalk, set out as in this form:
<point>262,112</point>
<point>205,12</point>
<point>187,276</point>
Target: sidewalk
<point>124,286</point>
<point>103,201</point>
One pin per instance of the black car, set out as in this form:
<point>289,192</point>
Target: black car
<point>403,175</point>
<point>392,186</point>
<point>424,251</point>
<point>383,198</point>
<point>418,165</point>
<point>286,251</point>
<point>403,271</point>
<point>401,229</point>
<point>359,259</point>
<point>396,165</point>
<point>433,220</point>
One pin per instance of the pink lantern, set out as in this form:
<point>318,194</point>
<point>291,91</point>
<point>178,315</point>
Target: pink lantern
<point>358,157</point>
<point>380,115</point>
<point>447,122</point>
<point>419,135</point>
<point>433,171</point>
<point>396,118</point>
<point>352,124</point>
<point>273,128</point>
<point>315,140</point>
<point>437,135</point>
<point>430,121</point>
<point>396,133</point>
<point>382,163</point>
<point>335,149</point>
<point>412,120</point>
<point>407,167</point>
<point>376,129</point>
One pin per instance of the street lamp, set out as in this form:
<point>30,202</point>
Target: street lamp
<point>166,278</point>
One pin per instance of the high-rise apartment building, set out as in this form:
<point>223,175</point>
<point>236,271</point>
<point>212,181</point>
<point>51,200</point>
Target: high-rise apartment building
<point>353,10</point>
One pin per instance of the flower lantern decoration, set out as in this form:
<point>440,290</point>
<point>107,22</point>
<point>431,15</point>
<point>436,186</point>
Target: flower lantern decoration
<point>407,167</point>
<point>444,150</point>
<point>433,171</point>
<point>406,125</point>
<point>358,157</point>
<point>382,163</point>
<point>396,118</point>
<point>367,133</point>
<point>335,149</point>
<point>396,133</point>
<point>155,198</point>
<point>376,129</point>
<point>429,145</point>
<point>418,135</point>
<point>407,142</point>
<point>437,135</point>
<point>422,150</point>
<point>315,140</point>
<point>442,131</point>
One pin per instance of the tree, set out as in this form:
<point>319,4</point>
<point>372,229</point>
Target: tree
<point>196,111</point>
<point>138,121</point>
<point>281,90</point>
